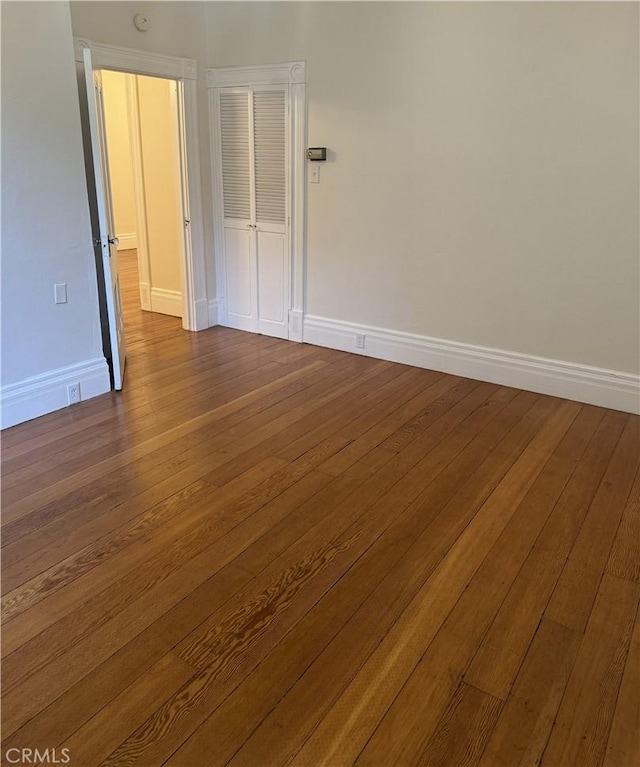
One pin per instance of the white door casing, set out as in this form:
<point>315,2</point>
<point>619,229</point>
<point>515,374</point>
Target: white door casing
<point>258,133</point>
<point>106,241</point>
<point>121,59</point>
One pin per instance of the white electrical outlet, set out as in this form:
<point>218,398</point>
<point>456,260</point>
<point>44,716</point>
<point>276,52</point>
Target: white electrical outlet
<point>73,393</point>
<point>359,341</point>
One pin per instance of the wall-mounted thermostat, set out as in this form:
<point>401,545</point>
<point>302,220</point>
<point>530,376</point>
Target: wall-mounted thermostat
<point>317,153</point>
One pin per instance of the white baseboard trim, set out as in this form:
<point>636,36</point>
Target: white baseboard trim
<point>583,383</point>
<point>145,296</point>
<point>128,241</point>
<point>201,314</point>
<point>295,324</point>
<point>166,301</point>
<point>212,311</point>
<point>47,392</point>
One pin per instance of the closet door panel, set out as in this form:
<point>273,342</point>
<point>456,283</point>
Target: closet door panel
<point>239,267</point>
<point>235,138</point>
<point>270,145</point>
<point>272,284</point>
<point>237,192</point>
<point>269,131</point>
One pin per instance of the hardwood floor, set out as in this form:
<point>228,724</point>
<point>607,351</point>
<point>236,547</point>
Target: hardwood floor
<point>265,553</point>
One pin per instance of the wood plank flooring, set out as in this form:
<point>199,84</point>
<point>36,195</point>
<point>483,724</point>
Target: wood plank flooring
<point>263,553</point>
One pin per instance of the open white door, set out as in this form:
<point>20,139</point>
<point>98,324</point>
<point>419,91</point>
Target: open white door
<point>107,241</point>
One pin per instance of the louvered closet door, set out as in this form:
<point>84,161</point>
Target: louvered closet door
<point>239,256</point>
<point>253,136</point>
<point>272,263</point>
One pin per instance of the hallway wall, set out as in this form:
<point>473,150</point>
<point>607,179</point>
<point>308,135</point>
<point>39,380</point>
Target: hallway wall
<point>160,161</point>
<point>152,130</point>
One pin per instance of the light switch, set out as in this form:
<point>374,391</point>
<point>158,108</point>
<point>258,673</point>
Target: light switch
<point>314,173</point>
<point>60,293</point>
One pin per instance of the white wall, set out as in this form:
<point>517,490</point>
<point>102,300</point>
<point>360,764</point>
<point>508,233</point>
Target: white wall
<point>116,117</point>
<point>46,234</point>
<point>159,140</point>
<point>482,182</point>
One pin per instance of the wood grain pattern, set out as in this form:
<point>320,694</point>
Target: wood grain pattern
<point>358,712</point>
<point>575,592</point>
<point>427,530</point>
<point>623,746</point>
<point>463,729</point>
<point>505,644</point>
<point>624,561</point>
<point>95,739</point>
<point>416,709</point>
<point>427,549</point>
<point>583,723</point>
<point>358,520</point>
<point>266,553</point>
<point>522,730</point>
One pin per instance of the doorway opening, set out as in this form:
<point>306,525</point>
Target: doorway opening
<point>176,80</point>
<point>143,155</point>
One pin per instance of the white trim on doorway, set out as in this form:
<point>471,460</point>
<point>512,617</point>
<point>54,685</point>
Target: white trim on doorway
<point>293,74</point>
<point>129,60</point>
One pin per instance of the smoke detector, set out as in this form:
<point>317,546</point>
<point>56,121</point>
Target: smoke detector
<point>141,22</point>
